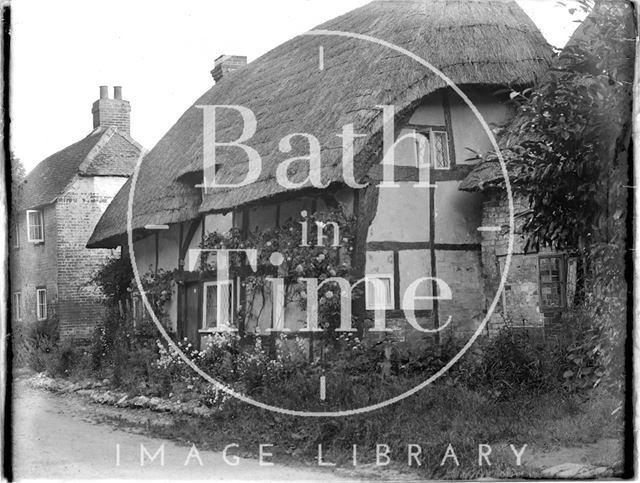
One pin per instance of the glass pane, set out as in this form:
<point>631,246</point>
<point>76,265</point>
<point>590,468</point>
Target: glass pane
<point>551,295</point>
<point>210,307</point>
<point>441,150</point>
<point>35,225</point>
<point>225,303</point>
<point>405,153</point>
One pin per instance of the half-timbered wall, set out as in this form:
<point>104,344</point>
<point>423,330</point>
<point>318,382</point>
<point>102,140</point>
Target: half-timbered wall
<point>422,232</point>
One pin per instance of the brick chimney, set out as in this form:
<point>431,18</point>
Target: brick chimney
<point>227,63</point>
<point>112,112</point>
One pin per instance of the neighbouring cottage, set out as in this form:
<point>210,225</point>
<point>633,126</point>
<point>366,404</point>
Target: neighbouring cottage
<point>318,84</point>
<point>541,284</point>
<point>57,207</point>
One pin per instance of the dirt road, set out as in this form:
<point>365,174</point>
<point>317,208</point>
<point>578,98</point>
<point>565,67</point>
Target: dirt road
<point>57,436</point>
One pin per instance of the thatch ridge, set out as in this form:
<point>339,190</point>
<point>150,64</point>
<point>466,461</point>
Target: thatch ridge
<point>103,152</point>
<point>486,42</point>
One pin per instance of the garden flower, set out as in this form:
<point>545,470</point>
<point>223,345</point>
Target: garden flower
<point>321,257</point>
<point>329,294</point>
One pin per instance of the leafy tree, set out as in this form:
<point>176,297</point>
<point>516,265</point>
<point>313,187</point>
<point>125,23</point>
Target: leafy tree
<point>567,152</point>
<point>18,174</point>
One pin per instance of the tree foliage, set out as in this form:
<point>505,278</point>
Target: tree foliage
<point>567,152</point>
<point>570,134</point>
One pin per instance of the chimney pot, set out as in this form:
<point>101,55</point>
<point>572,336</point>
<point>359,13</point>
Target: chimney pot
<point>227,63</point>
<point>112,112</point>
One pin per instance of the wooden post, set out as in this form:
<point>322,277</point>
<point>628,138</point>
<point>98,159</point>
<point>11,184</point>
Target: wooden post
<point>636,210</point>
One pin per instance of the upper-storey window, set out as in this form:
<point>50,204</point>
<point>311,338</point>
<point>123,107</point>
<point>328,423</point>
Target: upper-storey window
<point>435,144</point>
<point>35,226</point>
<point>439,145</point>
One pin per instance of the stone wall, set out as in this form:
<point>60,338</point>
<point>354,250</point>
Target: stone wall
<point>519,305</point>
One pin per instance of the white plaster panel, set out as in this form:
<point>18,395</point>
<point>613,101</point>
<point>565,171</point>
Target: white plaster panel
<point>145,254</point>
<point>467,130</point>
<point>402,214</point>
<point>458,214</point>
<point>217,222</point>
<point>191,257</point>
<point>415,264</point>
<point>406,149</point>
<point>168,242</point>
<point>379,262</point>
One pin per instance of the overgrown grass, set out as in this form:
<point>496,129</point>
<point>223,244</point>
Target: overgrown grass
<point>436,417</point>
<point>508,390</point>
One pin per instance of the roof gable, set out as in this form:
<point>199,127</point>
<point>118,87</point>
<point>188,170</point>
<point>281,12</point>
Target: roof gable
<point>104,152</point>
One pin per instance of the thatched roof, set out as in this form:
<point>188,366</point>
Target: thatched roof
<point>488,174</point>
<point>486,42</point>
<point>106,151</point>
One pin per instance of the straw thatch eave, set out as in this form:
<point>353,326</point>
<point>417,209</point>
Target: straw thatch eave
<point>486,42</point>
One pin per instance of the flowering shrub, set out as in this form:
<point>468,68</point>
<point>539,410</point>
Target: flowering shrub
<point>282,245</point>
<point>158,287</point>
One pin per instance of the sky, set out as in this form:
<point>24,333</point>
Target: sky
<point>160,52</point>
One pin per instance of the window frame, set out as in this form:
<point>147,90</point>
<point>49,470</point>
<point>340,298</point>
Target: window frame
<point>432,149</point>
<point>17,306</point>
<point>561,282</point>
<point>44,314</point>
<point>29,225</point>
<point>234,305</point>
<point>430,133</point>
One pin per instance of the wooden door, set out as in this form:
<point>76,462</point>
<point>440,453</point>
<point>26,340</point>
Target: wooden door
<point>192,312</point>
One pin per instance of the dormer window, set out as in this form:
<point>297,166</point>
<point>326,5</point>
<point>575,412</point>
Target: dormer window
<point>35,226</point>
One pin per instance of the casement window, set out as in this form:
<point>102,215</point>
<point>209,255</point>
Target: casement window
<point>379,292</point>
<point>17,306</point>
<point>41,303</point>
<point>553,282</point>
<point>439,145</point>
<point>15,235</point>
<point>220,301</point>
<point>35,226</point>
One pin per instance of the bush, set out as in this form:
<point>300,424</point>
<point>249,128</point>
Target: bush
<point>123,353</point>
<point>34,344</point>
